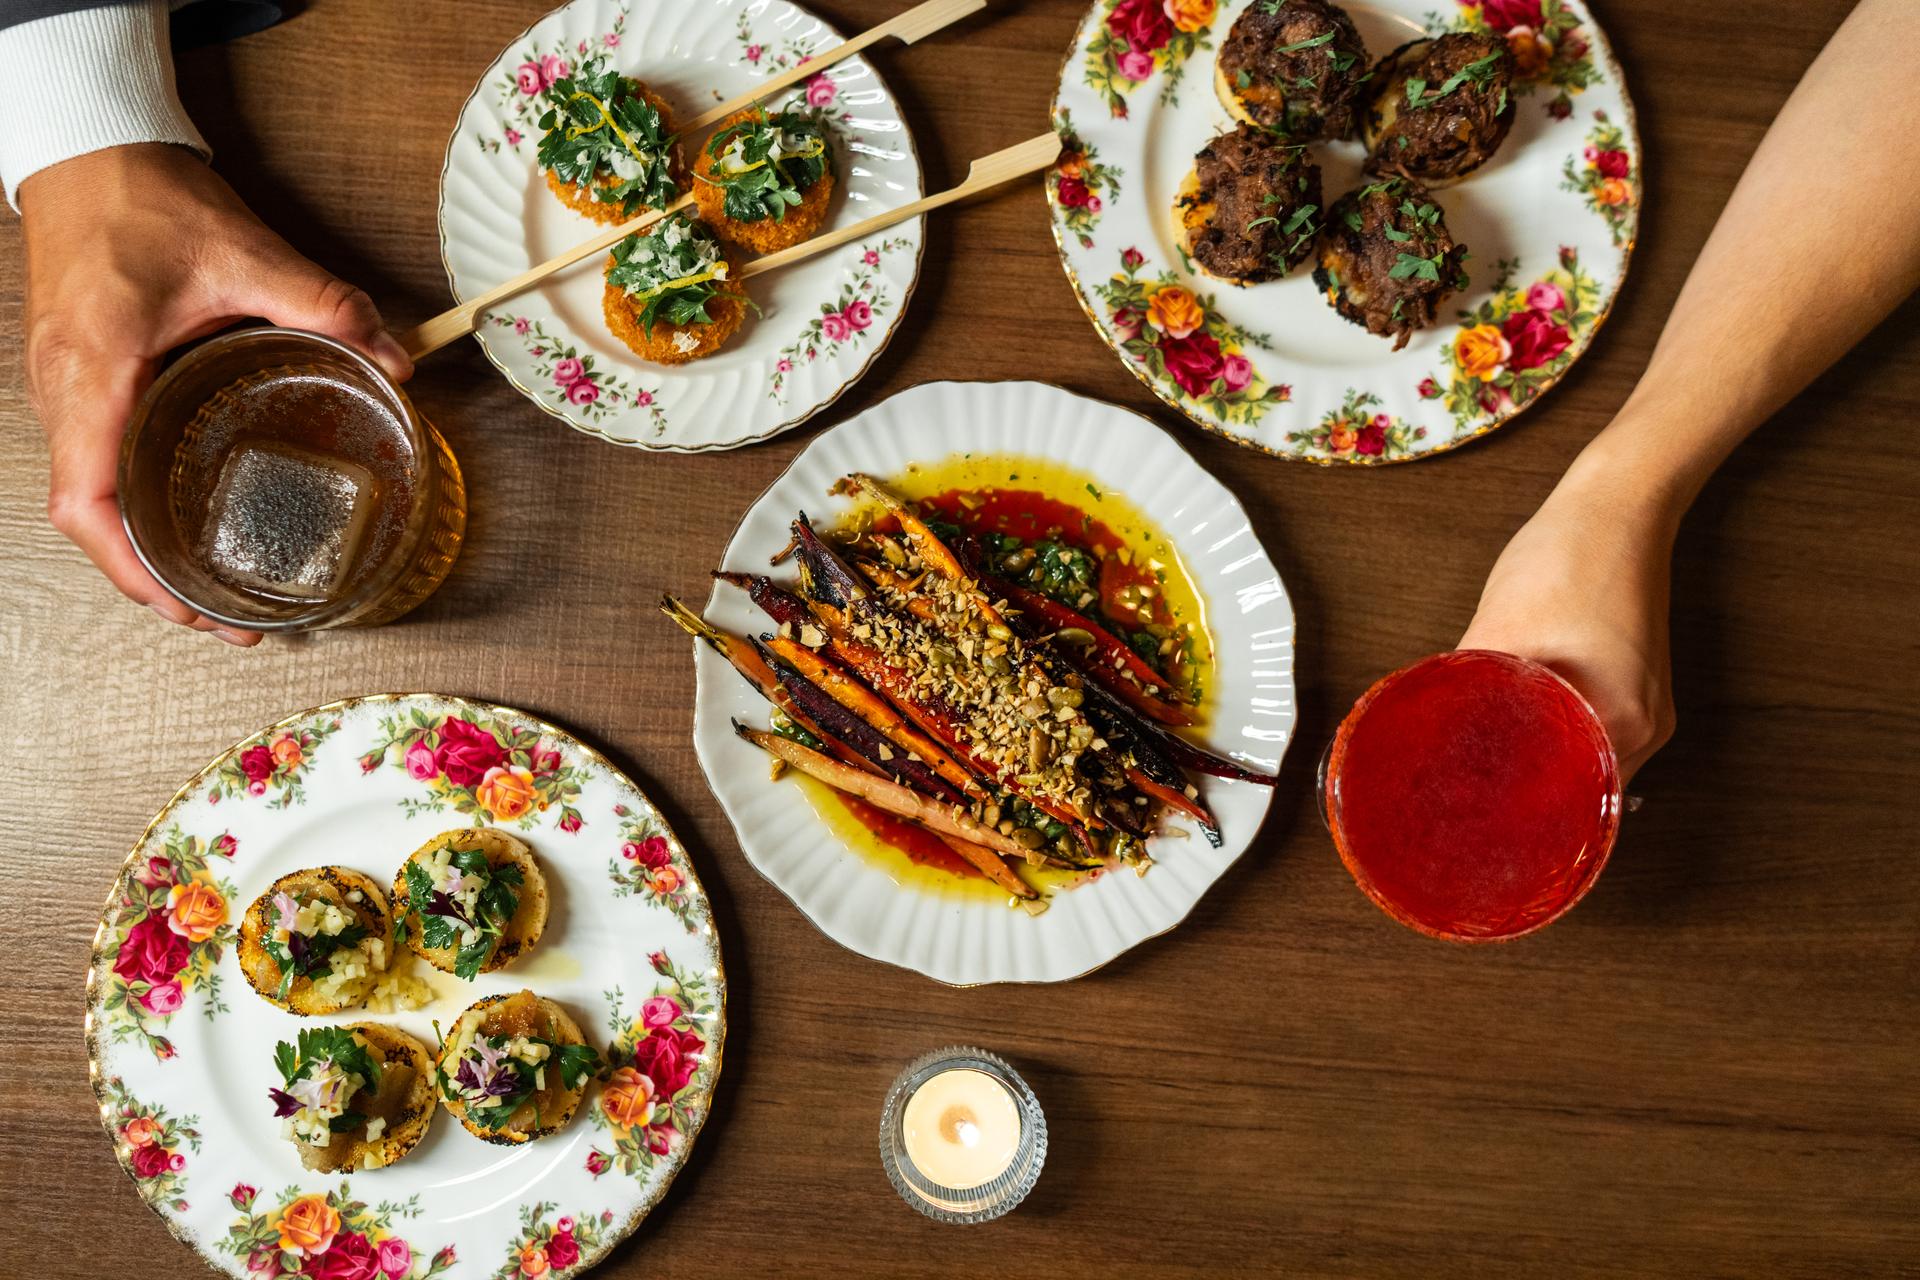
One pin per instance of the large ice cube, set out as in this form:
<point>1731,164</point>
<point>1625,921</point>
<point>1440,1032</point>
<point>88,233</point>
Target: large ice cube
<point>286,522</point>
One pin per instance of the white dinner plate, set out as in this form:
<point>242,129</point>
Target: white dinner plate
<point>181,1047</point>
<point>965,939</point>
<point>1549,222</point>
<point>824,320</point>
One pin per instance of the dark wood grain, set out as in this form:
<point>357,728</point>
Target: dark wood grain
<point>1709,1069</point>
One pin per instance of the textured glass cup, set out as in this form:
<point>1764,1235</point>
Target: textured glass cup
<point>1474,795</point>
<point>973,1204</point>
<point>336,424</point>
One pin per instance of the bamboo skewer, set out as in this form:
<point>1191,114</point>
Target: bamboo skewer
<point>459,321</point>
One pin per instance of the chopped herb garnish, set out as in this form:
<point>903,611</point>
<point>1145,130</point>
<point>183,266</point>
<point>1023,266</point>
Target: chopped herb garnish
<point>1419,268</point>
<point>767,163</point>
<point>1243,79</point>
<point>1314,42</point>
<point>671,272</point>
<point>1480,71</point>
<point>597,129</point>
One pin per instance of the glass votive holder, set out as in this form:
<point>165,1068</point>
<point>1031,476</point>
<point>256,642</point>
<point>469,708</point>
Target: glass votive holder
<point>977,1091</point>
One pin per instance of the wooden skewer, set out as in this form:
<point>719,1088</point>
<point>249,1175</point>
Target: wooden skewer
<point>987,172</point>
<point>459,321</point>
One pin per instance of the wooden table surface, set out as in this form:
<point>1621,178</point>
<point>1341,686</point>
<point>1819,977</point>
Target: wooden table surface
<point>1708,1069</point>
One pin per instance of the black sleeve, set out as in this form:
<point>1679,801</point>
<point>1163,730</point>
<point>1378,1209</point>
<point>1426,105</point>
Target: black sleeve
<point>196,22</point>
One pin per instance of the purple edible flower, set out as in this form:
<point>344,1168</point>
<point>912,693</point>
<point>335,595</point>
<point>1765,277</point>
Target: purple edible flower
<point>284,1103</point>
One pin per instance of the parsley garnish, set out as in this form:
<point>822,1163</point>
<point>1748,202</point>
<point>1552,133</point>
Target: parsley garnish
<point>1419,268</point>
<point>762,187</point>
<point>317,1045</point>
<point>669,272</point>
<point>1243,79</point>
<point>594,121</point>
<point>443,921</point>
<point>1394,233</point>
<point>1480,71</point>
<point>1352,218</point>
<point>1303,44</point>
<point>301,956</point>
<point>1306,82</point>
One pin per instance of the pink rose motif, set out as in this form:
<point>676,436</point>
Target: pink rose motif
<point>643,398</point>
<point>562,1250</point>
<point>666,1057</point>
<point>570,822</point>
<point>580,48</point>
<point>1560,108</point>
<point>1568,256</point>
<point>630,851</point>
<point>783,365</point>
<point>152,952</point>
<point>467,752</point>
<point>258,787</point>
<point>1094,205</point>
<point>1493,399</point>
<point>422,765</point>
<point>242,1195</point>
<point>660,1139</point>
<point>597,1162</point>
<point>859,315</point>
<point>351,1256</point>
<point>155,873</point>
<point>1371,439</point>
<point>554,67</point>
<point>528,78</point>
<point>1534,337</point>
<point>513,140</point>
<point>563,1225</point>
<point>658,959</point>
<point>659,1011</point>
<point>583,392</point>
<point>544,759</point>
<point>539,351</point>
<point>163,998</point>
<point>1429,389</point>
<point>163,1049</point>
<point>1194,361</point>
<point>1609,164</point>
<point>821,90</point>
<point>521,324</point>
<point>396,1257</point>
<point>834,325</point>
<point>568,371</point>
<point>871,257</point>
<point>152,1161</point>
<point>257,763</point>
<point>444,1258</point>
<point>611,40</point>
<point>225,845</point>
<point>1144,25</point>
<point>1546,296</point>
<point>1073,193</point>
<point>654,853</point>
<point>753,53</point>
<point>1135,65</point>
<point>1131,259</point>
<point>1126,323</point>
<point>1504,15</point>
<point>1236,372</point>
<point>1574,46</point>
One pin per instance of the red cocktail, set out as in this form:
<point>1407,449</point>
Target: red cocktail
<point>1473,795</point>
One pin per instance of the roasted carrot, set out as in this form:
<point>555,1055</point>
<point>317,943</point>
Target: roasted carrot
<point>989,864</point>
<point>1109,661</point>
<point>1177,799</point>
<point>874,710</point>
<point>950,819</point>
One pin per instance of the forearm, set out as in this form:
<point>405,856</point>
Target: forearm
<point>1820,240</point>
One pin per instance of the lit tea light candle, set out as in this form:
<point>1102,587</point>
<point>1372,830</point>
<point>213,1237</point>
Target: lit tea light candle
<point>962,1136</point>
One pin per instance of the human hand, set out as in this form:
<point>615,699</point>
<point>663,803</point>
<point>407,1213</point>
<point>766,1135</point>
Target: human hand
<point>1583,589</point>
<point>131,252</point>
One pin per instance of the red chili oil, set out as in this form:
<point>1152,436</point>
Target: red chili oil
<point>920,847</point>
<point>1032,516</point>
<point>1473,795</point>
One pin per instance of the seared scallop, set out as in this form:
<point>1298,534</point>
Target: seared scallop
<point>1387,260</point>
<point>1440,108</point>
<point>1249,209</point>
<point>1297,67</point>
<point>470,901</point>
<point>514,1068</point>
<point>354,1097</point>
<point>316,941</point>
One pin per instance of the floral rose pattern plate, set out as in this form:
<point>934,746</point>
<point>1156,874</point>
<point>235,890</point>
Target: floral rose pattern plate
<point>182,1047</point>
<point>966,938</point>
<point>823,321</point>
<point>1549,223</point>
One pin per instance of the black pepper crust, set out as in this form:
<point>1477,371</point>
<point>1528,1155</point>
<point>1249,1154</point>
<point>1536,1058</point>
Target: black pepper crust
<point>1251,207</point>
<point>1438,137</point>
<point>1306,93</point>
<point>1371,232</point>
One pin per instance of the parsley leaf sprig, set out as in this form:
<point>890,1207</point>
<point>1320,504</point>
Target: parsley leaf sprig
<point>315,1046</point>
<point>758,184</point>
<point>671,271</point>
<point>599,128</point>
<point>1480,71</point>
<point>443,921</point>
<point>1408,264</point>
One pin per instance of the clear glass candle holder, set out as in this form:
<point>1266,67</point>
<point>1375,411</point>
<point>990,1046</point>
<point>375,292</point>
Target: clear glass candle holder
<point>962,1204</point>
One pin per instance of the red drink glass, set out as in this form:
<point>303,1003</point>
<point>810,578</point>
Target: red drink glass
<point>1474,795</point>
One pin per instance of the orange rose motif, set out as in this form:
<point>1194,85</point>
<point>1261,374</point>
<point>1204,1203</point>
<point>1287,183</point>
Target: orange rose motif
<point>1480,351</point>
<point>1613,191</point>
<point>286,752</point>
<point>1341,437</point>
<point>1071,164</point>
<point>1531,52</point>
<point>628,1098</point>
<point>1175,311</point>
<point>307,1226</point>
<point>195,910</point>
<point>533,1261</point>
<point>141,1131</point>
<point>506,792</point>
<point>665,880</point>
<point>1191,15</point>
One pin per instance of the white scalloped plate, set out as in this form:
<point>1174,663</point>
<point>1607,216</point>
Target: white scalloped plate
<point>1551,217</point>
<point>966,939</point>
<point>181,1048</point>
<point>497,218</point>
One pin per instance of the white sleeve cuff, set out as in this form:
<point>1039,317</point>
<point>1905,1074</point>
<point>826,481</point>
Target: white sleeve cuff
<point>84,81</point>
